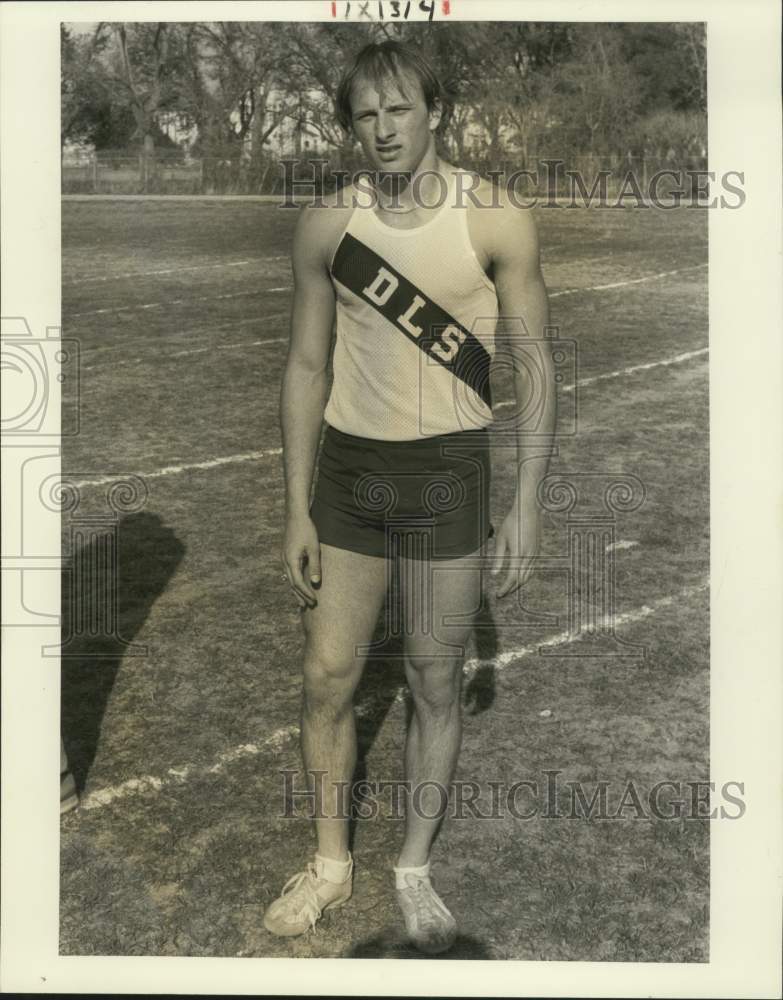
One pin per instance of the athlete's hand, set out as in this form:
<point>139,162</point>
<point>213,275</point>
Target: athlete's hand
<point>301,558</point>
<point>519,538</point>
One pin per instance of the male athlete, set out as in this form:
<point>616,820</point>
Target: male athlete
<point>415,281</point>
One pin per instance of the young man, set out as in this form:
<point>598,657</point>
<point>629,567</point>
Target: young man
<point>414,277</point>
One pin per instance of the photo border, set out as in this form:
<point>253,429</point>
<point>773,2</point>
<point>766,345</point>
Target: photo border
<point>746,362</point>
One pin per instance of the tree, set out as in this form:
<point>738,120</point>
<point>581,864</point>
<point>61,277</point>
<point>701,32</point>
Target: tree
<point>143,67</point>
<point>231,73</point>
<point>518,89</point>
<point>316,55</point>
<point>669,63</point>
<point>84,98</point>
<point>95,107</point>
<point>691,44</point>
<point>670,135</point>
<point>597,95</point>
<point>528,56</point>
<point>234,68</point>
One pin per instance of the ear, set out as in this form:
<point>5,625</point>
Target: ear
<point>435,114</point>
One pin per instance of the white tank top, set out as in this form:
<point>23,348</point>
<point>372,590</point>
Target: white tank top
<point>416,318</point>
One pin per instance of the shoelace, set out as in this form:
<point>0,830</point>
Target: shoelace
<point>308,903</point>
<point>426,905</point>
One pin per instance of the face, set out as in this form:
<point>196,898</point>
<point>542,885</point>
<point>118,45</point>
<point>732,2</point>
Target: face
<point>393,125</point>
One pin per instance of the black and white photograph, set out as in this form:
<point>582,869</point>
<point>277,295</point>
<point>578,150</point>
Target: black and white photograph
<point>385,417</point>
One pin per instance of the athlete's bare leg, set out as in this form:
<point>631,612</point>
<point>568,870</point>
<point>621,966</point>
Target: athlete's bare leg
<point>349,601</point>
<point>434,674</point>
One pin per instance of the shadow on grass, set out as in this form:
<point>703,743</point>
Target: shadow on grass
<point>388,946</point>
<point>105,602</point>
<point>480,689</point>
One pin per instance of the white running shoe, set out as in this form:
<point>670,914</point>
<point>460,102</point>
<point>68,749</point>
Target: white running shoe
<point>69,797</point>
<point>430,926</point>
<point>307,894</point>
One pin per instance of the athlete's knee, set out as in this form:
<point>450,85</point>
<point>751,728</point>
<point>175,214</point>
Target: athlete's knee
<point>434,680</point>
<point>330,677</point>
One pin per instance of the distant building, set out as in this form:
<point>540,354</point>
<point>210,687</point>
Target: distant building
<point>293,135</point>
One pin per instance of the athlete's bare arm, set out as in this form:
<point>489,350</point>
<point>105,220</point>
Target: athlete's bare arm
<point>304,389</point>
<point>509,238</point>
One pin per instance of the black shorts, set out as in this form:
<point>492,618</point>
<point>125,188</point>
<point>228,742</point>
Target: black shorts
<point>427,498</point>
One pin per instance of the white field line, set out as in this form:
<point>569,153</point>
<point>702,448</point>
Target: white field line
<point>280,737</point>
<point>624,284</point>
<point>557,261</point>
<point>288,288</point>
<point>674,360</point>
<point>173,470</point>
<point>174,302</point>
<point>622,544</point>
<point>254,456</point>
<point>254,260</point>
<point>229,347</point>
<point>210,328</point>
<point>171,270</point>
<point>547,262</point>
<point>677,359</point>
<point>565,638</point>
<point>193,350</point>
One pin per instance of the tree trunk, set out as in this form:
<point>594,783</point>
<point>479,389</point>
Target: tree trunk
<point>147,162</point>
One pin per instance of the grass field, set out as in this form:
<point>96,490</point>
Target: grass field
<point>181,313</point>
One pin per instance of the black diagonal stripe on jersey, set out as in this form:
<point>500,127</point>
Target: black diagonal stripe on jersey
<point>356,266</point>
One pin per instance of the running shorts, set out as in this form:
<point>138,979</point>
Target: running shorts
<point>422,499</point>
